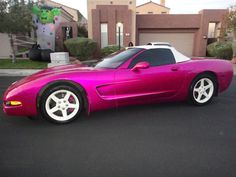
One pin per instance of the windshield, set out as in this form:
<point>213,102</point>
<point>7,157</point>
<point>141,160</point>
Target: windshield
<point>115,60</point>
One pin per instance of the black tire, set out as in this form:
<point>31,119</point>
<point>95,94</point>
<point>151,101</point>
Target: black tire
<point>45,99</point>
<point>197,91</point>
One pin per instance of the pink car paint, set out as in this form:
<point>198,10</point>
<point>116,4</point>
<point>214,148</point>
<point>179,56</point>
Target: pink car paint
<point>109,88</point>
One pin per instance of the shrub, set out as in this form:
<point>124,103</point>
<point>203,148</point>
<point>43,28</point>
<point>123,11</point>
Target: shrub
<point>109,50</point>
<point>82,48</point>
<point>220,50</point>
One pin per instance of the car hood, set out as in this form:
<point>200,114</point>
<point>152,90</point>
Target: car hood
<point>64,69</point>
<point>54,71</point>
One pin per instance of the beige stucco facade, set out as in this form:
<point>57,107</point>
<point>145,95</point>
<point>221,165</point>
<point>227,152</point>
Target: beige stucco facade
<point>92,4</point>
<point>153,8</point>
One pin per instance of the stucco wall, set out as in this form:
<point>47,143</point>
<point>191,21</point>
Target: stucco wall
<point>92,6</point>
<point>207,16</point>
<point>196,23</point>
<point>111,15</point>
<point>168,21</point>
<point>151,7</point>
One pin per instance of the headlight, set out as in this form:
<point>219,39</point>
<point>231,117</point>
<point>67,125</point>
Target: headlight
<point>13,103</point>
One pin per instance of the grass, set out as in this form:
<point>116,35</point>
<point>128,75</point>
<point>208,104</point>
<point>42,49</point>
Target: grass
<point>22,64</point>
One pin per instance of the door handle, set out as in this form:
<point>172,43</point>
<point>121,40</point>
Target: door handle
<point>175,68</point>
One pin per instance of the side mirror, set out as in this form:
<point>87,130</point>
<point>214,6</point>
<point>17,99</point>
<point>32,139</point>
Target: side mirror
<point>141,65</point>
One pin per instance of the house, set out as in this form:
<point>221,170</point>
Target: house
<point>153,8</point>
<point>74,13</point>
<point>70,18</point>
<point>189,33</point>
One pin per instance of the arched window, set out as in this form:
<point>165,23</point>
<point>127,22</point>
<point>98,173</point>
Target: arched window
<point>104,35</point>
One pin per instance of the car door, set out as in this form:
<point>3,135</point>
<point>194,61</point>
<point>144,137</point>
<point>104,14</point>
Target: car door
<point>162,79</point>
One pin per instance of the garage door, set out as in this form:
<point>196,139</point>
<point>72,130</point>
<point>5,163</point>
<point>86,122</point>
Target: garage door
<point>183,42</point>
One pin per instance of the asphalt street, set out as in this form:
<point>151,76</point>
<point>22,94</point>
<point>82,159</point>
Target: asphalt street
<point>159,140</point>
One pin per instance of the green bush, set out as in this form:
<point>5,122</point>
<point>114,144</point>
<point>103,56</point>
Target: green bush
<point>82,48</point>
<point>109,50</point>
<point>221,50</point>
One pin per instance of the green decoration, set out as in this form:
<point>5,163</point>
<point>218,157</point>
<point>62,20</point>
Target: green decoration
<point>46,16</point>
<point>36,10</point>
<point>56,11</point>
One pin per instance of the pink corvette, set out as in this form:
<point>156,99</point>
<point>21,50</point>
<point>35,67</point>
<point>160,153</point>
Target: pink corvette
<point>139,75</point>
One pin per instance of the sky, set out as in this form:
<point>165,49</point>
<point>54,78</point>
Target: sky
<point>176,6</point>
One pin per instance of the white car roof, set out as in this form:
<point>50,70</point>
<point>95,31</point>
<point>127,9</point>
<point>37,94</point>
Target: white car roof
<point>159,43</point>
<point>179,57</point>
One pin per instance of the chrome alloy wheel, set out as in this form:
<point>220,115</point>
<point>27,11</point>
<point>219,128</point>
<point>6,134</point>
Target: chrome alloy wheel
<point>62,105</point>
<point>203,90</point>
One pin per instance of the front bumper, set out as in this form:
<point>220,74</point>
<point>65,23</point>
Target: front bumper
<point>14,110</point>
<point>26,96</point>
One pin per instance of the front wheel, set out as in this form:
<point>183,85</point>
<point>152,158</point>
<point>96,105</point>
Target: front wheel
<point>202,90</point>
<point>61,104</point>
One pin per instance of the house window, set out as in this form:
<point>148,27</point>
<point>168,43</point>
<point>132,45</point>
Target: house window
<point>214,30</point>
<point>104,35</point>
<point>150,12</point>
<point>163,12</point>
<point>120,33</point>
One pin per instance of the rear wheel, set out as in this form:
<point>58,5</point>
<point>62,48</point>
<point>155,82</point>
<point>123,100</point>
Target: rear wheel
<point>202,89</point>
<point>61,104</point>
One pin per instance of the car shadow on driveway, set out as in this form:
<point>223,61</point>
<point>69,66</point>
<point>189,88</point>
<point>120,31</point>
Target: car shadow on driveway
<point>132,113</point>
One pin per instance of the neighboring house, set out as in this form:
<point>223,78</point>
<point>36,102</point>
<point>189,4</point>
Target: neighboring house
<point>70,17</point>
<point>153,8</point>
<point>76,15</point>
<point>189,33</point>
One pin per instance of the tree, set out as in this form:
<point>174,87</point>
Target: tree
<point>3,12</point>
<point>231,26</point>
<point>16,18</point>
<point>82,31</point>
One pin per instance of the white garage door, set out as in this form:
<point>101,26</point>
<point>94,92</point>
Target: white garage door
<point>183,42</point>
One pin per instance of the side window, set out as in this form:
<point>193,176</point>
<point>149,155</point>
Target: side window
<point>155,57</point>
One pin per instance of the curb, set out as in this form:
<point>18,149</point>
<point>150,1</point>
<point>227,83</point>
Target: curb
<point>18,72</point>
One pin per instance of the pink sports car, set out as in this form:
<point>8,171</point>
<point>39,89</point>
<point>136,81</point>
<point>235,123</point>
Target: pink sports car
<point>142,74</point>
